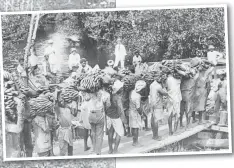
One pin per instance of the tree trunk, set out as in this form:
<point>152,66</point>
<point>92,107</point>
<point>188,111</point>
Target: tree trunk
<point>35,28</point>
<point>29,40</point>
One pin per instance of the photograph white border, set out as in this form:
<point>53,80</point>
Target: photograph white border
<point>229,151</point>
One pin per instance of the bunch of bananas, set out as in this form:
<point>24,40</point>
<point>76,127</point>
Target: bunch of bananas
<point>173,66</point>
<point>7,76</point>
<point>40,106</point>
<point>125,71</point>
<point>69,94</point>
<point>9,94</point>
<point>10,104</point>
<point>92,82</point>
<point>129,81</point>
<point>80,77</point>
<point>151,76</point>
<point>148,77</point>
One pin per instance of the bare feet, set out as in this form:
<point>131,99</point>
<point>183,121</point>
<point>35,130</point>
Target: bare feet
<point>110,151</point>
<point>87,148</point>
<point>194,121</point>
<point>181,126</point>
<point>115,152</point>
<point>137,144</point>
<point>158,138</point>
<point>129,135</point>
<point>147,129</point>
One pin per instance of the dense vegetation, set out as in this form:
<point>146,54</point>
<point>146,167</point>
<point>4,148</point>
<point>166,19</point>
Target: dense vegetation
<point>158,34</point>
<point>33,5</point>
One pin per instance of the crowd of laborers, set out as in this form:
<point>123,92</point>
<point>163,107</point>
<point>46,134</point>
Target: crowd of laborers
<point>106,100</point>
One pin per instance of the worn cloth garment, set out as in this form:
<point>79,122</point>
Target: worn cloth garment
<point>84,115</point>
<point>142,67</point>
<point>21,70</point>
<point>201,92</point>
<point>32,60</point>
<point>65,131</point>
<point>99,102</point>
<point>136,60</point>
<point>97,132</point>
<point>174,95</point>
<point>223,94</point>
<point>135,120</point>
<point>74,60</point>
<point>120,53</point>
<point>53,60</point>
<point>156,100</point>
<point>46,68</point>
<point>110,71</point>
<point>13,130</point>
<point>42,135</point>
<point>214,56</point>
<point>117,125</point>
<point>86,69</point>
<point>188,87</point>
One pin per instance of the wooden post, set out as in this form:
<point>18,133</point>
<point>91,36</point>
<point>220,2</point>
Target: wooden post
<point>28,45</point>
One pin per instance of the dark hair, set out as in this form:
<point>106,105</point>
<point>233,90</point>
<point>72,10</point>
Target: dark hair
<point>83,60</point>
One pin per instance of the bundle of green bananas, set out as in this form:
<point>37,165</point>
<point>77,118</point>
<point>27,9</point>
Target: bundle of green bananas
<point>80,77</point>
<point>69,94</point>
<point>7,76</point>
<point>10,104</point>
<point>151,76</point>
<point>92,82</point>
<point>40,106</point>
<point>9,94</point>
<point>148,77</point>
<point>129,81</point>
<point>173,66</point>
<point>125,72</point>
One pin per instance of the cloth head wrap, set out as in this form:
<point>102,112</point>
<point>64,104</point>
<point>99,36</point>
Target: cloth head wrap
<point>140,85</point>
<point>117,86</point>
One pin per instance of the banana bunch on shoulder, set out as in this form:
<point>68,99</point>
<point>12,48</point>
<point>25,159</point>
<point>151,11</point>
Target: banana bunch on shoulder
<point>41,106</point>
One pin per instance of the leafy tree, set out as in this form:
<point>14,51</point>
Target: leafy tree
<point>157,34</point>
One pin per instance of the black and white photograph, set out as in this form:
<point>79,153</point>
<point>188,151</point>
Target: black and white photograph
<point>115,83</point>
<point>39,5</point>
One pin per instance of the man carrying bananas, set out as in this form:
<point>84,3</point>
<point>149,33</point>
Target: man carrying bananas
<point>174,100</point>
<point>115,117</point>
<point>99,102</point>
<point>188,86</point>
<point>156,106</point>
<point>135,113</point>
<point>66,111</point>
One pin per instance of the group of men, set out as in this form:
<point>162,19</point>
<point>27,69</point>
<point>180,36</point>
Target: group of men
<point>185,96</point>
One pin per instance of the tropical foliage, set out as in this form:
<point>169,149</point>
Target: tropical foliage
<point>157,34</point>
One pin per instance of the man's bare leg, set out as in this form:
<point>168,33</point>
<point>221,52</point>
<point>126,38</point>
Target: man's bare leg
<point>155,125</point>
<point>170,125</point>
<point>110,139</point>
<point>86,136</point>
<point>117,141</point>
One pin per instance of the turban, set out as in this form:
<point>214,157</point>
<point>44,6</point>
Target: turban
<point>195,61</point>
<point>117,86</point>
<point>140,85</point>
